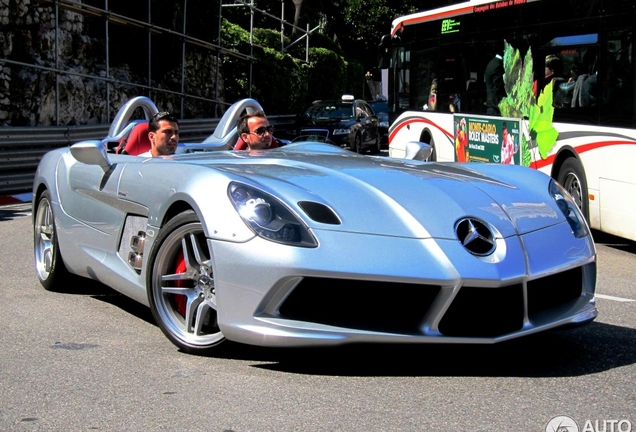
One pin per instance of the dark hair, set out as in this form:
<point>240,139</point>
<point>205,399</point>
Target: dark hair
<point>554,64</point>
<point>495,47</point>
<point>153,125</point>
<point>578,68</point>
<point>241,124</point>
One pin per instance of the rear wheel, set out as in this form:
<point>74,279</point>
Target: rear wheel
<point>572,178</point>
<point>181,288</point>
<point>49,266</point>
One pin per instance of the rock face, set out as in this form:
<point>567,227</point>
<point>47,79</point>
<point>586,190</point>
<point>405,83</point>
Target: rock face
<point>39,89</point>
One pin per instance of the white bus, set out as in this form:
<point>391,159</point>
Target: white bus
<point>566,97</point>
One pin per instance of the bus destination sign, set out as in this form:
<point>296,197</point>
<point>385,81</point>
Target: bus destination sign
<point>499,5</point>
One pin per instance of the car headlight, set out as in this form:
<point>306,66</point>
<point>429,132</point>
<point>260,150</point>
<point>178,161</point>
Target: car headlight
<point>569,209</point>
<point>341,131</point>
<point>268,217</point>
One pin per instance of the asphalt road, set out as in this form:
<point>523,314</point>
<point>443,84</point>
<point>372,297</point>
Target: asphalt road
<point>90,359</point>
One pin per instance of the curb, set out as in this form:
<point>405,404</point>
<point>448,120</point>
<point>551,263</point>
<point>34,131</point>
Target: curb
<point>15,199</point>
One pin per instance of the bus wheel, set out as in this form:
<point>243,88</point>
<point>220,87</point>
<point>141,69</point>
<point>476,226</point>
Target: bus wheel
<point>572,178</point>
<point>433,156</point>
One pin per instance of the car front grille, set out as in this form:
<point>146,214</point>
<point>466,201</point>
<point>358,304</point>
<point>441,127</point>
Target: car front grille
<point>324,133</point>
<point>556,291</point>
<point>362,305</point>
<point>400,308</point>
<point>484,312</point>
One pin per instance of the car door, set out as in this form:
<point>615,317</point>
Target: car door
<point>369,123</point>
<point>89,195</point>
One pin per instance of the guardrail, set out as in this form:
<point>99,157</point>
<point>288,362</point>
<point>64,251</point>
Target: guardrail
<point>21,148</point>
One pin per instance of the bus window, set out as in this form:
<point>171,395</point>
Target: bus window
<point>616,98</point>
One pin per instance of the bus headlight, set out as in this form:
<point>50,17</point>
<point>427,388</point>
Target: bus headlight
<point>569,209</point>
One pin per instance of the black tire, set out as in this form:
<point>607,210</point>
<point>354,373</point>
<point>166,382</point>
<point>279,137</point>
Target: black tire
<point>49,265</point>
<point>427,138</point>
<point>377,147</point>
<point>184,306</point>
<point>433,156</point>
<point>357,144</point>
<point>572,178</point>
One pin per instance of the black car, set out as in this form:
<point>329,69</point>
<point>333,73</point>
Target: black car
<point>381,109</point>
<point>348,122</point>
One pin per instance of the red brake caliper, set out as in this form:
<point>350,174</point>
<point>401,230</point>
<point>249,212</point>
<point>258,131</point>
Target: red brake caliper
<point>180,300</point>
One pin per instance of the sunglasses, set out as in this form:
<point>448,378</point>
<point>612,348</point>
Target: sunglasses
<point>261,130</point>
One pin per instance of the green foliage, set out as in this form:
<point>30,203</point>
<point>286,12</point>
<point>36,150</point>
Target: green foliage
<point>327,74</point>
<point>540,122</point>
<point>269,38</point>
<point>319,40</point>
<point>284,82</point>
<point>233,35</point>
<point>281,81</point>
<point>356,84</point>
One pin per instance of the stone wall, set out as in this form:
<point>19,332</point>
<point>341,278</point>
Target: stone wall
<point>28,94</point>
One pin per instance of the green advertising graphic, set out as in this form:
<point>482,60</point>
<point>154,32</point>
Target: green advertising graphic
<point>521,101</point>
<point>485,139</point>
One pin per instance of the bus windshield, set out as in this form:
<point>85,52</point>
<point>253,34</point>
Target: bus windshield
<point>439,59</point>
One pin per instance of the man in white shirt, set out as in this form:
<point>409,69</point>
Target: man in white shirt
<point>163,132</point>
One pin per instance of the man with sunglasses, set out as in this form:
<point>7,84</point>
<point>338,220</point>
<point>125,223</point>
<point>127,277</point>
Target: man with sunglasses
<point>255,132</point>
<point>163,132</point>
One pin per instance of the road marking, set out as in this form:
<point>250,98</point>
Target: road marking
<point>619,299</point>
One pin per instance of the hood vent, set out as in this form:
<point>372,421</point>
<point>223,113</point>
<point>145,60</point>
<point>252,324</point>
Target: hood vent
<point>319,212</point>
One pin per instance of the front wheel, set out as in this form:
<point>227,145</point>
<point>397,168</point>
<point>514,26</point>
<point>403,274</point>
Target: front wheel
<point>49,266</point>
<point>181,288</point>
<point>357,144</point>
<point>377,147</point>
<point>572,178</point>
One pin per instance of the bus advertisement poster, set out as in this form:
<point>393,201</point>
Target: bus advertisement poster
<point>487,139</point>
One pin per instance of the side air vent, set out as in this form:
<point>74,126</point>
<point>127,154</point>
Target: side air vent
<point>320,212</point>
<point>136,255</point>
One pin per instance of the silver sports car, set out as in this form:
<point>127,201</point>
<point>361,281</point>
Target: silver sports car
<point>310,244</point>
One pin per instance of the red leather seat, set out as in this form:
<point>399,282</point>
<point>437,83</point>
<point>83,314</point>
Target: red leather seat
<point>242,145</point>
<point>138,141</point>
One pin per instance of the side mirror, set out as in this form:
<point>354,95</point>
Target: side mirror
<point>91,152</point>
<point>415,150</point>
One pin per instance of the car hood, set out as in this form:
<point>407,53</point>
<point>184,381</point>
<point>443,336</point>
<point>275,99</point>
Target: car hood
<point>393,197</point>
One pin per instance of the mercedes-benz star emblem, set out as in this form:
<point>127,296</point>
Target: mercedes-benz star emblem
<point>475,236</point>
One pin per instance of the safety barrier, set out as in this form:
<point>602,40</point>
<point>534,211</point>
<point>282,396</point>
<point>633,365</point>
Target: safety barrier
<point>21,148</point>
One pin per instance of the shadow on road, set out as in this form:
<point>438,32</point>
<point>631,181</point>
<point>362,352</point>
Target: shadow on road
<point>614,242</point>
<point>101,292</point>
<point>10,212</point>
<point>585,350</point>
